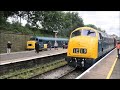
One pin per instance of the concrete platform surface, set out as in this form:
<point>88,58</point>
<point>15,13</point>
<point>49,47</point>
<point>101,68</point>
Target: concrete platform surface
<point>26,55</point>
<point>116,71</point>
<point>101,69</point>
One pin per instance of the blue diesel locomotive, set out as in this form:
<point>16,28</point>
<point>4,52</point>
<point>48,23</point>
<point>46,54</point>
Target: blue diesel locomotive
<point>43,41</point>
<point>86,45</point>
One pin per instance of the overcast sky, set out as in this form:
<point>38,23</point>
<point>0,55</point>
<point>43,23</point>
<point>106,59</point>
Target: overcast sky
<point>106,20</point>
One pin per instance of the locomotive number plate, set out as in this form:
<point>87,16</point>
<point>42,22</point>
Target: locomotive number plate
<point>80,50</point>
<point>76,50</point>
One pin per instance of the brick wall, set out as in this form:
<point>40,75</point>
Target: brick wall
<point>18,42</point>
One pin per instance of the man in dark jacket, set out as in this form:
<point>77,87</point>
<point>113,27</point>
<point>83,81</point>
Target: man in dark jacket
<point>9,47</point>
<point>49,45</point>
<point>37,47</point>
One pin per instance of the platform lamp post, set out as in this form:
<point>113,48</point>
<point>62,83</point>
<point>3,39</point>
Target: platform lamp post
<point>56,32</point>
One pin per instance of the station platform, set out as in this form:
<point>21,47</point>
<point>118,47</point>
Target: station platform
<point>116,70</point>
<point>105,68</point>
<point>27,55</point>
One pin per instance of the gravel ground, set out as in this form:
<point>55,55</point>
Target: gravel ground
<point>73,74</point>
<point>55,74</point>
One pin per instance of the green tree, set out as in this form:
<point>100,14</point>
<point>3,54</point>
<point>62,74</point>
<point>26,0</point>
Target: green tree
<point>53,20</point>
<point>92,26</point>
<point>72,21</point>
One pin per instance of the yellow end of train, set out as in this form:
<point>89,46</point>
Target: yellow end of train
<point>86,45</point>
<point>31,45</point>
<point>82,45</point>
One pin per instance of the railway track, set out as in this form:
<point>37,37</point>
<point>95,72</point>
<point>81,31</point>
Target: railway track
<point>65,72</point>
<point>28,73</point>
<point>58,73</point>
<point>72,75</point>
<point>16,64</point>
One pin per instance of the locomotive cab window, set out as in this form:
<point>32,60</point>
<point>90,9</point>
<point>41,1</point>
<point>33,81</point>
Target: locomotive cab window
<point>88,33</point>
<point>76,33</point>
<point>84,33</point>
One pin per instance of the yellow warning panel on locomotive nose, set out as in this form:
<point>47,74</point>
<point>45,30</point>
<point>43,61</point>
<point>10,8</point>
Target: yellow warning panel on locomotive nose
<point>45,45</point>
<point>83,47</point>
<point>31,44</point>
<point>83,43</point>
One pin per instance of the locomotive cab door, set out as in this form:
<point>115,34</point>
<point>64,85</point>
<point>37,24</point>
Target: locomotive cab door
<point>100,44</point>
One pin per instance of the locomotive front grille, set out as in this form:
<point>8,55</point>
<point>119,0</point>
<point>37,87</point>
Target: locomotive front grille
<point>80,50</point>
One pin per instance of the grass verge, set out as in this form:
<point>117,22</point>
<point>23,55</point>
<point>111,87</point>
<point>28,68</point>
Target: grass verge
<point>31,72</point>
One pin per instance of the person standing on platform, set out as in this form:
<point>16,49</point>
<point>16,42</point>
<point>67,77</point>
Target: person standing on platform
<point>37,47</point>
<point>63,45</point>
<point>9,44</point>
<point>118,49</point>
<point>56,45</point>
<point>49,45</point>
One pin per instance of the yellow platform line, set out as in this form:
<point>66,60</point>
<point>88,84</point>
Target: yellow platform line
<point>111,70</point>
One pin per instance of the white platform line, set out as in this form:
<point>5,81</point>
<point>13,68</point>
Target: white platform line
<point>28,58</point>
<point>93,65</point>
<point>17,52</point>
<point>21,52</point>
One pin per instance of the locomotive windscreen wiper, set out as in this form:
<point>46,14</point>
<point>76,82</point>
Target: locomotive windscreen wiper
<point>89,32</point>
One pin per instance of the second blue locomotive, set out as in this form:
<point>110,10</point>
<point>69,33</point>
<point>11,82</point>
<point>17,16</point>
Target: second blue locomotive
<point>43,41</point>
